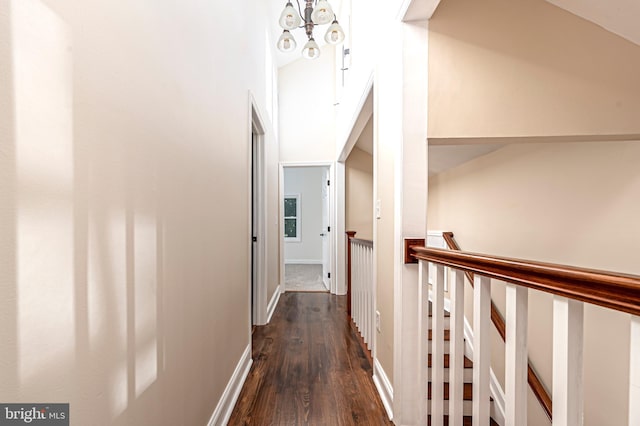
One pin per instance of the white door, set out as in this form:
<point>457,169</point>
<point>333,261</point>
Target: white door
<point>326,231</point>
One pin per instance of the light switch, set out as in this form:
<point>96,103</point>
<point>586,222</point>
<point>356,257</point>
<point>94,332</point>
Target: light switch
<point>378,209</point>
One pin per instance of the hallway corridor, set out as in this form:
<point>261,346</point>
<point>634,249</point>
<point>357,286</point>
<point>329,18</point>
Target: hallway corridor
<point>309,369</point>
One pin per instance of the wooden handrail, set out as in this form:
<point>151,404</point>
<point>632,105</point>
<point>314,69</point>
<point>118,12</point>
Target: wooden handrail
<point>620,292</point>
<point>538,389</point>
<point>367,243</point>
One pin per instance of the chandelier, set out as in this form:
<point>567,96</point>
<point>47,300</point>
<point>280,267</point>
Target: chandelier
<point>321,14</point>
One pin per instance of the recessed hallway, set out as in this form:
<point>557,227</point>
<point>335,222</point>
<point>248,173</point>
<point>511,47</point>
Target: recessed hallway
<point>304,278</point>
<point>309,369</point>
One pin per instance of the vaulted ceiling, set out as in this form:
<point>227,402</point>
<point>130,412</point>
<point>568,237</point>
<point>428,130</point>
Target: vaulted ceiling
<point>621,17</point>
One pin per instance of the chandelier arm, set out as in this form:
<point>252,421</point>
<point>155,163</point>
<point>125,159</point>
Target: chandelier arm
<point>300,12</point>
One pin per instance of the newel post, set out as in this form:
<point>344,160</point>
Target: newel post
<point>350,235</point>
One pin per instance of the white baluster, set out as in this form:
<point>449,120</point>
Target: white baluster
<point>423,330</point>
<point>437,348</point>
<point>481,350</point>
<point>634,373</point>
<point>516,355</point>
<point>356,285</point>
<point>365,264</point>
<point>567,362</point>
<point>456,350</point>
<point>372,310</point>
<point>353,283</point>
<point>359,280</point>
<point>362,292</point>
<point>358,304</point>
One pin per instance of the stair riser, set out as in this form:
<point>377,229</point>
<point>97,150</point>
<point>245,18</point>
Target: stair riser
<point>446,347</point>
<point>467,408</point>
<point>467,374</point>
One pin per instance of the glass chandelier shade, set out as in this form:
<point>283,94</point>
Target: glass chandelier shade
<point>322,13</point>
<point>289,18</point>
<point>311,49</point>
<point>286,42</point>
<point>335,34</point>
<point>316,12</point>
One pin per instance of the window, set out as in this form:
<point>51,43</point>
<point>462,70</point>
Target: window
<point>292,217</point>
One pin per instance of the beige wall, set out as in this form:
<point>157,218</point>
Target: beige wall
<point>528,68</point>
<point>359,193</point>
<point>124,203</point>
<point>575,204</point>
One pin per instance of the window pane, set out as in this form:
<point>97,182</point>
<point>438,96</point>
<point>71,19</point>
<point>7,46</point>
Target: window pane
<point>290,228</point>
<point>290,208</point>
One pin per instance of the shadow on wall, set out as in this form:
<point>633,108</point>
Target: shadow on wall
<point>81,239</point>
<point>8,291</point>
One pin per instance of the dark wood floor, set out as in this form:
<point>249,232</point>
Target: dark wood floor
<point>309,369</point>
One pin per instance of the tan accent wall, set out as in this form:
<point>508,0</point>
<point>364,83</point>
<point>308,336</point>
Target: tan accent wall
<point>359,193</point>
<point>528,68</point>
<point>124,203</point>
<point>575,204</point>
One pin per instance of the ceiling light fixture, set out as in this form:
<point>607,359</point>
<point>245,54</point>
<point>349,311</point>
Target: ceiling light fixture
<point>320,14</point>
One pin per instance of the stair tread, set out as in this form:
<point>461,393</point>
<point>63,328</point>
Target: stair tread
<point>447,335</point>
<point>467,392</point>
<point>467,362</point>
<point>466,421</point>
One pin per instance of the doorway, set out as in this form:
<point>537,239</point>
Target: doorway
<point>307,216</point>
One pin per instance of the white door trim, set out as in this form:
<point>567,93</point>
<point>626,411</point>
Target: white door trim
<point>337,286</point>
<point>256,126</point>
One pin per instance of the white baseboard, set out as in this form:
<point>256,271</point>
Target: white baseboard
<point>273,303</point>
<point>303,261</point>
<point>385,389</point>
<point>230,395</point>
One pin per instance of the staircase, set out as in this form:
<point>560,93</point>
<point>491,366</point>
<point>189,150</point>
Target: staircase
<point>467,376</point>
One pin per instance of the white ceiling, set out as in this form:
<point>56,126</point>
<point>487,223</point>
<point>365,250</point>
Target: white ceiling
<point>445,157</point>
<point>365,140</point>
<point>420,10</point>
<point>621,17</point>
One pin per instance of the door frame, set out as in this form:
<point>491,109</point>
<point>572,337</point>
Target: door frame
<point>257,289</point>
<point>332,217</point>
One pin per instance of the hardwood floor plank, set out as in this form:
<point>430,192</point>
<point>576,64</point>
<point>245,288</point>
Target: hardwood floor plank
<point>309,369</point>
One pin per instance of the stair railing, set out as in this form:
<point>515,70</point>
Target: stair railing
<point>360,290</point>
<point>535,383</point>
<point>571,287</point>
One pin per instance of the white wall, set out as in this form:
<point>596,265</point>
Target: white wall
<point>307,111</point>
<point>124,203</point>
<point>306,182</point>
<point>391,56</point>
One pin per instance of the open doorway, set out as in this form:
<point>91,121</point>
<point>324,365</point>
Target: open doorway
<point>306,224</point>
